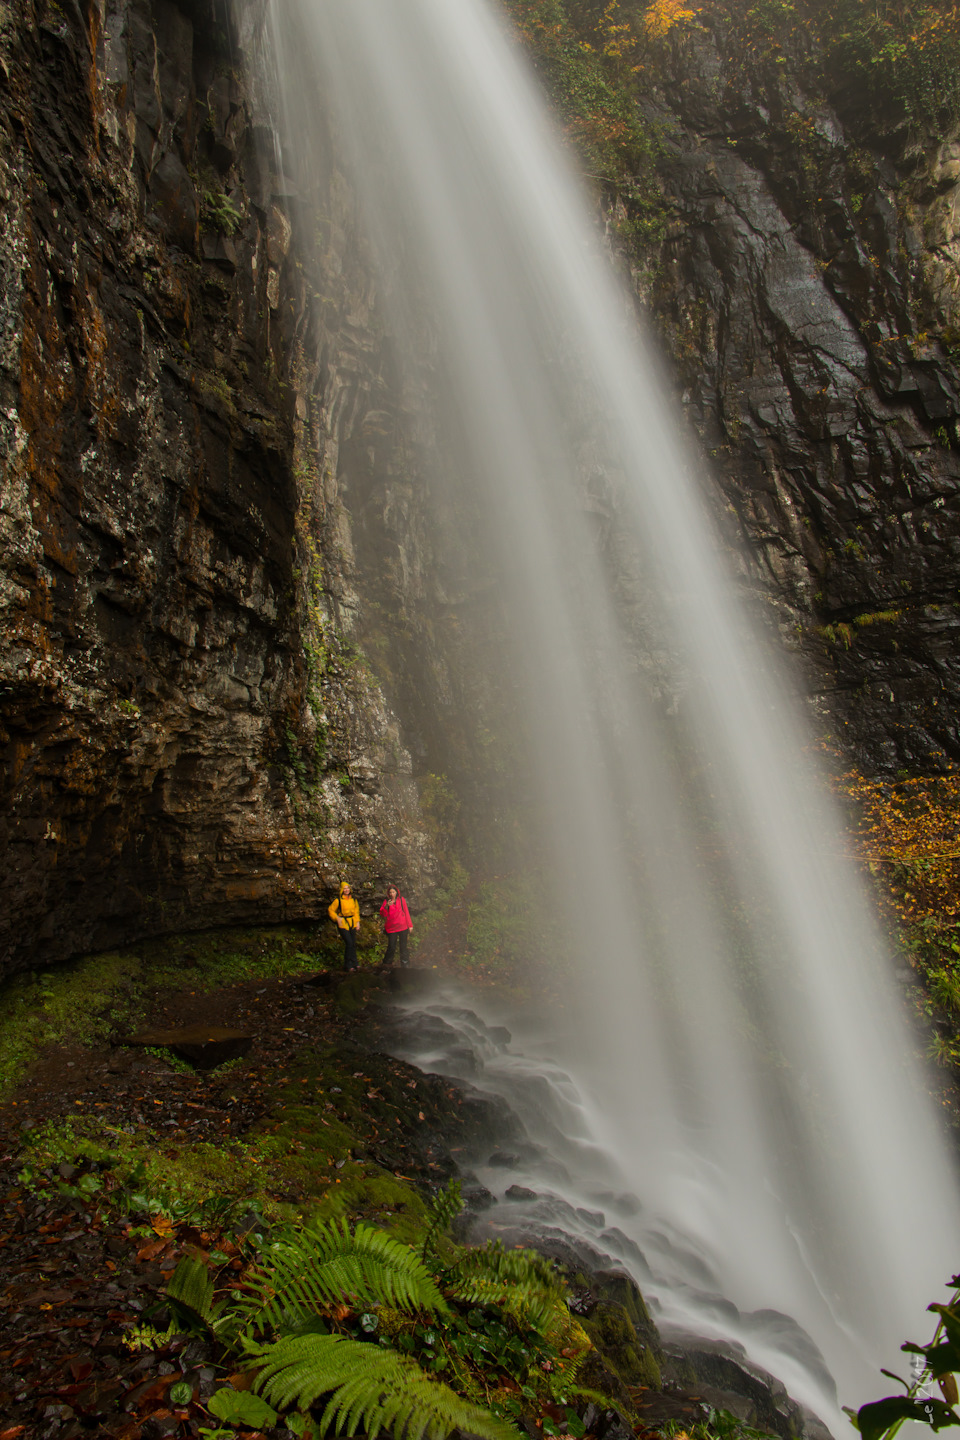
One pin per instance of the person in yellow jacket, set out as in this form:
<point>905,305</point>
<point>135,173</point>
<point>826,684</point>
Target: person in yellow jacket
<point>346,913</point>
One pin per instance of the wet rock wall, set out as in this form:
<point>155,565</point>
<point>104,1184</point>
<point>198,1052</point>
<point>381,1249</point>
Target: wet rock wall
<point>189,736</point>
<point>808,298</point>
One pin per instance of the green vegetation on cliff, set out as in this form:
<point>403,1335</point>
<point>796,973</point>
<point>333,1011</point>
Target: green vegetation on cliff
<point>391,1338</point>
<point>900,61</point>
<point>593,89</point>
<point>597,54</point>
<point>602,62</point>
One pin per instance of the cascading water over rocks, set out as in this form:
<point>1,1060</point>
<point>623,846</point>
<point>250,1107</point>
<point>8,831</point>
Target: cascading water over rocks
<point>731,1019</point>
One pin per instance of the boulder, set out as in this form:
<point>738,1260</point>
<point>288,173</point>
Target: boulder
<point>205,1046</point>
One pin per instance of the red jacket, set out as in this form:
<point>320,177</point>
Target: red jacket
<point>396,916</point>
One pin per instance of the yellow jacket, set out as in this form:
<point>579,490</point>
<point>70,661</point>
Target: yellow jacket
<point>345,910</point>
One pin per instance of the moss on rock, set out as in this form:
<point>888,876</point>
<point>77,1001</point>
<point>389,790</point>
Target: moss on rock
<point>613,1333</point>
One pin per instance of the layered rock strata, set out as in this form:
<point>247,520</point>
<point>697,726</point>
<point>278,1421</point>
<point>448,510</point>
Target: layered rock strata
<point>808,294</point>
<point>189,735</point>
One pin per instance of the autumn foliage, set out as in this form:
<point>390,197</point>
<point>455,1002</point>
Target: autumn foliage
<point>902,59</point>
<point>907,831</point>
<point>665,15</point>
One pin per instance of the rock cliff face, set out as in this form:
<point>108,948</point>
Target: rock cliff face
<point>208,494</point>
<point>189,735</point>
<point>809,294</point>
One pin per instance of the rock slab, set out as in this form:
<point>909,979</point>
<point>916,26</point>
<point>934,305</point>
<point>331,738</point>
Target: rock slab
<point>205,1046</point>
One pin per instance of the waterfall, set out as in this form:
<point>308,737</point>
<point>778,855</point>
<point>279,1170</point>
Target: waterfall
<point>731,1020</point>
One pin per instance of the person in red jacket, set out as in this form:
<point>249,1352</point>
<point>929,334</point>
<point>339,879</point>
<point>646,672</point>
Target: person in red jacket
<point>396,924</point>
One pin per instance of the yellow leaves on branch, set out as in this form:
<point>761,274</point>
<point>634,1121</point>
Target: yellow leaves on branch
<point>665,15</point>
<point>619,39</point>
<point>906,819</point>
<point>617,33</point>
<point>908,832</point>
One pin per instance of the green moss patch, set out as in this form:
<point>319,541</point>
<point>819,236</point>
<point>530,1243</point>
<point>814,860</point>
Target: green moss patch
<point>82,1003</point>
<point>338,1136</point>
<point>99,998</point>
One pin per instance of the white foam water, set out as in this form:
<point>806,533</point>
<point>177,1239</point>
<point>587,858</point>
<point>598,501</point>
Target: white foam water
<point>737,1043</point>
<point>576,1191</point>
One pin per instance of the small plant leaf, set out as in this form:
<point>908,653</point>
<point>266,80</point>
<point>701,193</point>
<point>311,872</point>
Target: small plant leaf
<point>899,1378</point>
<point>241,1406</point>
<point>875,1419</point>
<point>950,1321</point>
<point>302,1425</point>
<point>942,1359</point>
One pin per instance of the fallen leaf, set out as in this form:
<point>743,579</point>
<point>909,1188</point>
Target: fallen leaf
<point>46,1298</point>
<point>151,1251</point>
<point>149,1392</point>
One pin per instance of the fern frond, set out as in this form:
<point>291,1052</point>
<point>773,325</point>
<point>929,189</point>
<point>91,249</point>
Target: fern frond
<point>447,1204</point>
<point>372,1390</point>
<point>305,1270</point>
<point>573,1364</point>
<point>520,1282</point>
<point>190,1291</point>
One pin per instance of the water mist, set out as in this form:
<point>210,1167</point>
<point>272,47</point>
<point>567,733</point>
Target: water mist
<point>736,1043</point>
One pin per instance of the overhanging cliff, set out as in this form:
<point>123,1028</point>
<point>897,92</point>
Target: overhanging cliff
<point>189,735</point>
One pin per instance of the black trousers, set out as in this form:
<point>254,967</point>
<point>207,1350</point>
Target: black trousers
<point>349,938</point>
<point>400,935</point>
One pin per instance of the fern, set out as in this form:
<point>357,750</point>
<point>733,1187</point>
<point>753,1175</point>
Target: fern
<point>372,1390</point>
<point>519,1282</point>
<point>308,1269</point>
<point>447,1204</point>
<point>190,1292</point>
